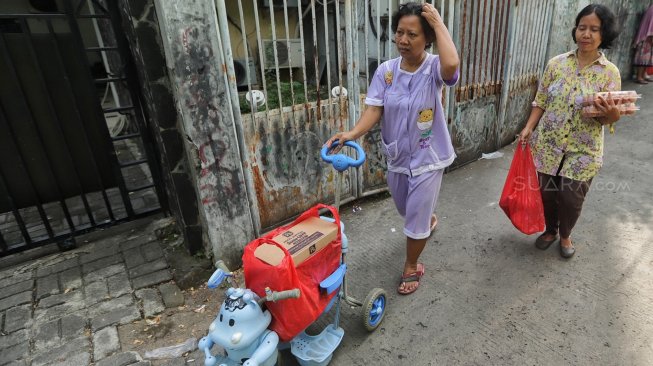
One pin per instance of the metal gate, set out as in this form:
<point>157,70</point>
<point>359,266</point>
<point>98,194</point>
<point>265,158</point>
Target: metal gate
<point>73,155</point>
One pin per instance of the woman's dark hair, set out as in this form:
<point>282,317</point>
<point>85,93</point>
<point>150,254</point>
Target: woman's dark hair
<point>609,29</point>
<point>413,9</point>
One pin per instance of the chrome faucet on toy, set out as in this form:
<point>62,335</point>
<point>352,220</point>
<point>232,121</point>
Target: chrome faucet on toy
<point>241,326</point>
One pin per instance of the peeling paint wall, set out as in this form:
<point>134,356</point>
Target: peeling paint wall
<point>202,100</point>
<point>473,128</point>
<point>284,158</point>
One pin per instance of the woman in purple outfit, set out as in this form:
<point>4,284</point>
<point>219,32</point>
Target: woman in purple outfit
<point>405,95</point>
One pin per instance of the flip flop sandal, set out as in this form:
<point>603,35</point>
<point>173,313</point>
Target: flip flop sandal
<point>411,277</point>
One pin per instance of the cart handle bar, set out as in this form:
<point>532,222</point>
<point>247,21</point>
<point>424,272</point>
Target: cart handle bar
<point>281,295</point>
<point>342,162</point>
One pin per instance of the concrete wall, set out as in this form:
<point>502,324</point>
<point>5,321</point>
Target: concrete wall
<point>141,25</point>
<point>197,73</point>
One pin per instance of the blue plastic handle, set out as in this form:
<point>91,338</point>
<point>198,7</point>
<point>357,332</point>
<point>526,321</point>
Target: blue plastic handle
<point>216,278</point>
<point>342,162</point>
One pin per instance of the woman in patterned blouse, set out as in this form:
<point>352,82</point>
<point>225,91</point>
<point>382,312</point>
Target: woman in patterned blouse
<point>568,148</point>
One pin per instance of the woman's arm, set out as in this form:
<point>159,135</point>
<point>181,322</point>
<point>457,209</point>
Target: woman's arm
<point>449,60</point>
<point>533,120</point>
<point>371,116</point>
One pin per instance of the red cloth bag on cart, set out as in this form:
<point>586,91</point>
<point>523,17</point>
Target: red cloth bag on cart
<point>521,199</point>
<point>291,316</point>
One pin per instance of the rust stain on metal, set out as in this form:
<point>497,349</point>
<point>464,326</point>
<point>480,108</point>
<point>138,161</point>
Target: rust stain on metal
<point>259,188</point>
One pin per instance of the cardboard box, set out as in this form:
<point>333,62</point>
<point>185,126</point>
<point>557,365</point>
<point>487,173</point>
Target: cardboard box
<point>302,241</point>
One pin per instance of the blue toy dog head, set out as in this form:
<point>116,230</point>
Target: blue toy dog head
<point>240,321</point>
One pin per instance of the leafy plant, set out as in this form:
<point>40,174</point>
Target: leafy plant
<point>287,88</point>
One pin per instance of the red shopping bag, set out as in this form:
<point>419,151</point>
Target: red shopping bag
<point>291,316</point>
<point>521,199</point>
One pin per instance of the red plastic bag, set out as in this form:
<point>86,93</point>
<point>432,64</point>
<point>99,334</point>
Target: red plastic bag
<point>291,316</point>
<point>521,199</point>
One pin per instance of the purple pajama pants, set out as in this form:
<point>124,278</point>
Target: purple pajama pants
<point>415,199</point>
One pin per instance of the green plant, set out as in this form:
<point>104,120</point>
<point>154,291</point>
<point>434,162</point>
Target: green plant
<point>287,89</point>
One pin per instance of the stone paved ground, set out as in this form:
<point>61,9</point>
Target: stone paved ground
<point>66,308</point>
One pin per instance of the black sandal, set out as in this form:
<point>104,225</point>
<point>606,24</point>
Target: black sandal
<point>540,243</point>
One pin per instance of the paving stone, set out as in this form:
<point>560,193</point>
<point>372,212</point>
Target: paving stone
<point>102,263</point>
<point>73,326</point>
<point>119,285</point>
<point>109,305</point>
<point>133,257</point>
<point>58,299</point>
<point>120,359</point>
<point>148,267</point>
<point>172,295</point>
<point>17,363</point>
<point>179,361</point>
<point>16,288</point>
<point>81,358</point>
<point>47,335</point>
<point>151,301</point>
<point>118,316</point>
<point>151,279</point>
<point>46,286</point>
<point>71,279</point>
<point>98,252</point>
<point>105,343</point>
<point>96,291</point>
<point>57,311</point>
<point>68,353</point>
<point>152,251</point>
<point>57,267</point>
<point>133,243</point>
<point>15,277</point>
<point>18,299</point>
<point>18,317</point>
<point>104,273</point>
<point>14,338</point>
<point>14,353</point>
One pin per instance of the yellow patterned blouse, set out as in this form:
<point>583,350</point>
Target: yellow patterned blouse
<point>562,135</point>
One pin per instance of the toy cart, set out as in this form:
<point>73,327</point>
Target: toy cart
<point>241,327</point>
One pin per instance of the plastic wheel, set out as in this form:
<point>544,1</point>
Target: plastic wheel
<point>374,309</point>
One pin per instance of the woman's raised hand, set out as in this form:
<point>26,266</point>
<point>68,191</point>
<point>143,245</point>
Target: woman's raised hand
<point>432,15</point>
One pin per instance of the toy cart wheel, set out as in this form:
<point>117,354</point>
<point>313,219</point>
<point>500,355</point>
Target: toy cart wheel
<point>374,309</point>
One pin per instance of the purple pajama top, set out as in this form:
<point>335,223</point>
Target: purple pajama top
<point>415,135</point>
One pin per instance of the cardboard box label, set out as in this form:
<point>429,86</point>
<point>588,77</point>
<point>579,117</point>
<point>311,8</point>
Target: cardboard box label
<point>302,241</point>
